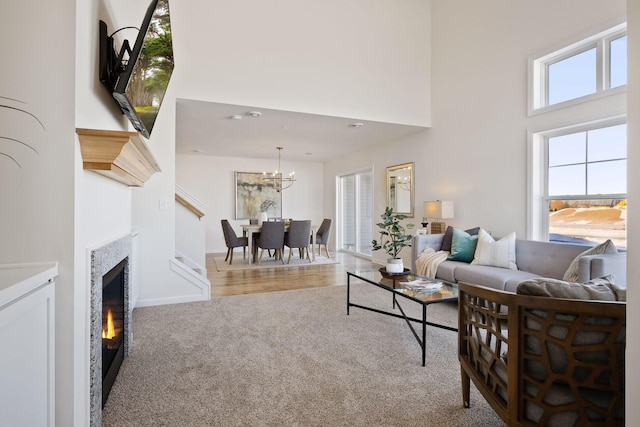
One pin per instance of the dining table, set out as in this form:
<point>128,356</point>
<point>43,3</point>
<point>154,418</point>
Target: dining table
<point>249,229</point>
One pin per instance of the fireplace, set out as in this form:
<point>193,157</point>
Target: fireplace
<point>113,326</point>
<point>110,340</point>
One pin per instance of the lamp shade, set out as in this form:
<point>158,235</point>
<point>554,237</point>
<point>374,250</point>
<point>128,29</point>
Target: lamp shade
<point>441,209</point>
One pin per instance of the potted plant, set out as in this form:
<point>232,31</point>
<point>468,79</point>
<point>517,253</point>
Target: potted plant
<point>392,239</point>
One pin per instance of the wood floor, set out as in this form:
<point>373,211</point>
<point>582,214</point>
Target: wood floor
<point>225,283</point>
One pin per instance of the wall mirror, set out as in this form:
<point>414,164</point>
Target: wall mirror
<point>400,185</point>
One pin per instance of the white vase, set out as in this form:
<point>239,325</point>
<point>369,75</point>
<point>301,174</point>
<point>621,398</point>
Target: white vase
<point>395,265</point>
<point>262,218</point>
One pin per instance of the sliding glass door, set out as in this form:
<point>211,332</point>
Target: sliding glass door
<point>355,208</point>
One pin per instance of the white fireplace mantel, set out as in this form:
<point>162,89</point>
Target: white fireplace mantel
<point>120,155</point>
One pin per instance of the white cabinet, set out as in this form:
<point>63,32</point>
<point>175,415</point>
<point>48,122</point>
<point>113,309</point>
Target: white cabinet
<point>27,344</point>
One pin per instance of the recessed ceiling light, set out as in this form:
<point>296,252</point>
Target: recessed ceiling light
<point>254,114</point>
<point>236,117</point>
<point>308,154</point>
<point>198,151</point>
<point>356,125</point>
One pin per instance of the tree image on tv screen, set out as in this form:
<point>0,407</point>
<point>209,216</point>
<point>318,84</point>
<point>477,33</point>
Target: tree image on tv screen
<point>150,77</point>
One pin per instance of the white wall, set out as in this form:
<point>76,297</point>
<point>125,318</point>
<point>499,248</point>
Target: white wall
<point>212,180</point>
<point>353,58</point>
<point>633,216</point>
<point>38,200</point>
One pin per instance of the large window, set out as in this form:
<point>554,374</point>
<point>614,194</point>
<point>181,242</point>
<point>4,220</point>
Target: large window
<point>577,188</point>
<point>355,207</point>
<point>581,194</point>
<point>593,67</point>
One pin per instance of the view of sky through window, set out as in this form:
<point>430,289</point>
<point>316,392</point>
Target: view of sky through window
<point>589,163</point>
<point>618,62</point>
<point>572,77</point>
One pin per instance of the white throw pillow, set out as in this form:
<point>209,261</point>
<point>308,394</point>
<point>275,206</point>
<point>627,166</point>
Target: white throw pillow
<point>501,253</point>
<point>606,247</point>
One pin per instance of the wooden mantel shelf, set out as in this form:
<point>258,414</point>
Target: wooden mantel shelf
<point>119,155</point>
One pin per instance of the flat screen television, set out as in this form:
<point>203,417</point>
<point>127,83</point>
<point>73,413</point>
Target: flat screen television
<point>138,77</point>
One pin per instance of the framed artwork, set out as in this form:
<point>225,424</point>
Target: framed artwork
<point>253,196</point>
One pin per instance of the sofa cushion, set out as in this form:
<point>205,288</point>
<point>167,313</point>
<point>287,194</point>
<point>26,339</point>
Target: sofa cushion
<point>546,259</point>
<point>607,247</point>
<point>463,246</point>
<point>447,270</point>
<point>501,253</point>
<point>601,288</point>
<point>448,237</point>
<point>488,276</point>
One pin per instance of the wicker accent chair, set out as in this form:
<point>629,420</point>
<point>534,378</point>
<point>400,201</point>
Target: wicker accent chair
<point>233,241</point>
<point>542,360</point>
<point>323,234</point>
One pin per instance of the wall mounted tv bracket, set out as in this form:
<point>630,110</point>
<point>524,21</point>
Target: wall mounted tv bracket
<point>112,64</point>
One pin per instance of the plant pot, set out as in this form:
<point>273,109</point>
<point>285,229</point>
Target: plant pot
<point>393,276</point>
<point>395,265</point>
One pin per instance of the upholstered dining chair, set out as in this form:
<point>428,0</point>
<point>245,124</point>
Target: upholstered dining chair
<point>323,234</point>
<point>233,241</point>
<point>298,237</point>
<point>271,237</point>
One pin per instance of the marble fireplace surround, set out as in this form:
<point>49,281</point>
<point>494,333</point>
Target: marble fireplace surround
<point>103,258</point>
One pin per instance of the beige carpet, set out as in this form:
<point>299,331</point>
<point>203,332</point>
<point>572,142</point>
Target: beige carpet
<point>269,262</point>
<point>290,358</point>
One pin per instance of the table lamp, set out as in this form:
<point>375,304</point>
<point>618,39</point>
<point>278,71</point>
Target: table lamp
<point>438,209</point>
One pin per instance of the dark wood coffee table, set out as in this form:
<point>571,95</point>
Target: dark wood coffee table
<point>405,287</point>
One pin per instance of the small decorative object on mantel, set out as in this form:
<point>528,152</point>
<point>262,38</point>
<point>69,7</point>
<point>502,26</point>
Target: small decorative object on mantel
<point>120,155</point>
<point>393,239</point>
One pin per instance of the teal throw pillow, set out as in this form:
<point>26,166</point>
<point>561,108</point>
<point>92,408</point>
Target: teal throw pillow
<point>463,246</point>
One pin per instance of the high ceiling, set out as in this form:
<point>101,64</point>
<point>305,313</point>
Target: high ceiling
<point>208,128</point>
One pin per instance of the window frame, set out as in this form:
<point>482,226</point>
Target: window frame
<point>538,68</point>
<point>538,183</point>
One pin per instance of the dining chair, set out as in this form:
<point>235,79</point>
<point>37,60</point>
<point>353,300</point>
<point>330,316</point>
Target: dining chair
<point>271,237</point>
<point>298,237</point>
<point>323,234</point>
<point>233,241</point>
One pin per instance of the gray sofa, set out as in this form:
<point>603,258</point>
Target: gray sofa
<point>533,258</point>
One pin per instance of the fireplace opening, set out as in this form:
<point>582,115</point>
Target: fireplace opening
<point>113,322</point>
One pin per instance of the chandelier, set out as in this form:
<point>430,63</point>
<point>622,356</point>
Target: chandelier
<point>276,178</point>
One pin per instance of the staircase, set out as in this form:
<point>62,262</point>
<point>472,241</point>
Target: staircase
<point>189,261</point>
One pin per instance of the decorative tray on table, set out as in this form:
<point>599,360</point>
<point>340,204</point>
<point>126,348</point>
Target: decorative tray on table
<point>387,275</point>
